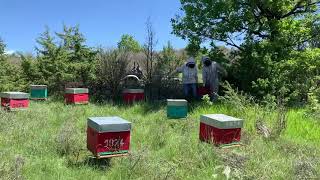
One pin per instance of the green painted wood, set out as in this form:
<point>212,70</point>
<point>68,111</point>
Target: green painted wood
<point>176,112</point>
<point>113,152</point>
<point>39,93</point>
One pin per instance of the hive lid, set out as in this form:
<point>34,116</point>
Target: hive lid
<point>133,91</point>
<point>76,90</point>
<point>177,102</point>
<point>38,86</point>
<point>109,124</point>
<point>221,121</point>
<point>14,95</point>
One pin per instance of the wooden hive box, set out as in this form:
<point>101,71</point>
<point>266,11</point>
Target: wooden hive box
<point>76,95</point>
<point>14,100</point>
<point>220,129</point>
<point>133,95</point>
<point>177,108</point>
<point>38,92</point>
<point>108,136</point>
<point>201,91</point>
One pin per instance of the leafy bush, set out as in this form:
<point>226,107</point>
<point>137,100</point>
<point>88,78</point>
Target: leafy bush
<point>314,101</point>
<point>111,69</point>
<point>292,77</point>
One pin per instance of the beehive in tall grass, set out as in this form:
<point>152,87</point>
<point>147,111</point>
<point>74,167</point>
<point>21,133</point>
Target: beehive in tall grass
<point>220,129</point>
<point>38,92</point>
<point>177,108</point>
<point>132,95</point>
<point>76,95</point>
<point>14,100</point>
<point>108,136</point>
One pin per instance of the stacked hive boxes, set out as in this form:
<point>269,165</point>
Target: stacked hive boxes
<point>177,108</point>
<point>133,95</point>
<point>220,129</point>
<point>14,100</point>
<point>108,136</point>
<point>38,92</point>
<point>76,96</point>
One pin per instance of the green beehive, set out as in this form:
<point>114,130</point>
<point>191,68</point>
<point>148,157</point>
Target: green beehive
<point>38,92</point>
<point>177,108</point>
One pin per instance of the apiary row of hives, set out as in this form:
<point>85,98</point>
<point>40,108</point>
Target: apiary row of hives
<point>20,100</point>
<point>110,136</point>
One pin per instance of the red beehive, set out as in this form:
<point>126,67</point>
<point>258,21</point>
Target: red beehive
<point>220,129</point>
<point>108,136</point>
<point>201,90</point>
<point>133,95</point>
<point>14,100</point>
<point>76,96</point>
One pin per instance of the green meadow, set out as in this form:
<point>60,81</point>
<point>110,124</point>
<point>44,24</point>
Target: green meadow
<point>48,141</point>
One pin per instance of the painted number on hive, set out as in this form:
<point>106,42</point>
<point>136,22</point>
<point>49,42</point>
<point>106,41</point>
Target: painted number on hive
<point>114,144</point>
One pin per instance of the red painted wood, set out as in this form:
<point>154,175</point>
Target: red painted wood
<point>14,103</point>
<point>219,136</point>
<point>203,91</point>
<point>132,97</point>
<point>108,141</point>
<point>76,98</point>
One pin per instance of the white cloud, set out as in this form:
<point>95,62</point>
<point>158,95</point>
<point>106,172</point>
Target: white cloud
<point>8,52</point>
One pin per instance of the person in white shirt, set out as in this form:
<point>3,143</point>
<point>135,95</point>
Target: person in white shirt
<point>189,77</point>
<point>210,76</point>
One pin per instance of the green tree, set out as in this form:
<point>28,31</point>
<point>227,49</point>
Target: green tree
<point>81,58</point>
<point>61,58</point>
<point>282,21</point>
<point>128,43</point>
<point>9,78</point>
<point>52,62</point>
<point>168,60</point>
<point>266,34</point>
<point>2,47</point>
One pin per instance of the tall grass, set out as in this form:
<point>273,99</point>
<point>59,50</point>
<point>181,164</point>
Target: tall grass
<point>48,141</point>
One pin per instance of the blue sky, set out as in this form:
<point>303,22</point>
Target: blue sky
<point>101,21</point>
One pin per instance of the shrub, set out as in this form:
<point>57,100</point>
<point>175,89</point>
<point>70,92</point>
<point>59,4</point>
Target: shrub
<point>111,69</point>
<point>314,101</point>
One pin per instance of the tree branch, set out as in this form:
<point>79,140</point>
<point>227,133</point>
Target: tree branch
<point>297,8</point>
<point>231,43</point>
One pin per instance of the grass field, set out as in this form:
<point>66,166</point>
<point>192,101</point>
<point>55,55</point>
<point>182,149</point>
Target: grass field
<point>48,141</point>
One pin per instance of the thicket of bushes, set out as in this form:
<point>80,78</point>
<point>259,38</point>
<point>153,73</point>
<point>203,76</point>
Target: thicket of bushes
<point>63,60</point>
<point>64,57</point>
